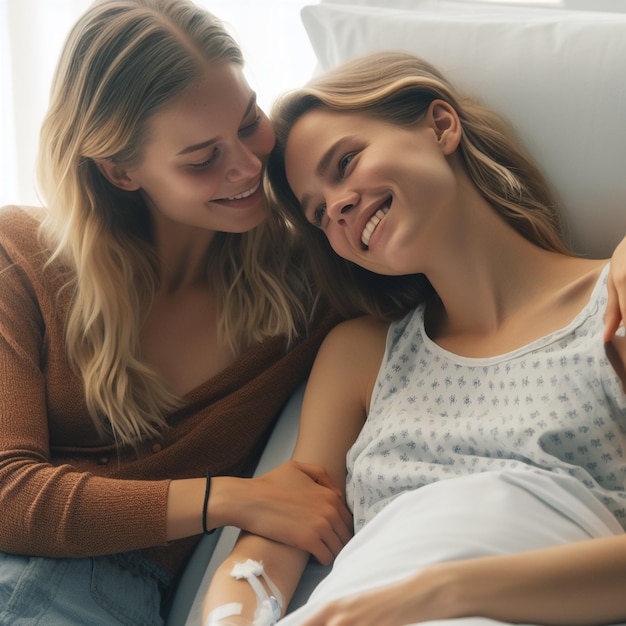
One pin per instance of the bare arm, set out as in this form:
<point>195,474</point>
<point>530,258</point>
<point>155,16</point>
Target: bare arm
<point>296,503</point>
<point>333,412</point>
<point>580,584</point>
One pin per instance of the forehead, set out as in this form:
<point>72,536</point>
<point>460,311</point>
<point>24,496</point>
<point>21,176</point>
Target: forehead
<point>313,134</point>
<point>316,128</point>
<point>323,124</point>
<point>207,108</point>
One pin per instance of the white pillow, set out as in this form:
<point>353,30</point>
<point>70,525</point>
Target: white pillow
<point>618,6</point>
<point>558,76</point>
<point>463,6</point>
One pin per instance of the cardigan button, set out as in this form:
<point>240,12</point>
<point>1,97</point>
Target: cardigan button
<point>157,447</point>
<point>103,460</point>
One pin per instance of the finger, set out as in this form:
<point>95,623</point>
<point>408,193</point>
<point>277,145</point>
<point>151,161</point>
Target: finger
<point>328,615</point>
<point>613,315</point>
<point>621,297</point>
<point>347,519</point>
<point>334,543</point>
<point>317,619</point>
<point>329,544</point>
<point>342,526</point>
<point>320,476</point>
<point>321,552</point>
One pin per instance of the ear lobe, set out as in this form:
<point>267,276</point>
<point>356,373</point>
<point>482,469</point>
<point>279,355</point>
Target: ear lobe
<point>116,175</point>
<point>446,124</point>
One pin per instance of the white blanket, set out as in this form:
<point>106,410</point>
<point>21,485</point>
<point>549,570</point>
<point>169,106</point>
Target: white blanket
<point>482,514</point>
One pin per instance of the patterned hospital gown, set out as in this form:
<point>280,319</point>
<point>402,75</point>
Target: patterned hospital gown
<point>555,404</point>
<point>534,437</point>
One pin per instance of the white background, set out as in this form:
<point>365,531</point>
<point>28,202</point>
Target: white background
<point>277,51</point>
<point>276,48</point>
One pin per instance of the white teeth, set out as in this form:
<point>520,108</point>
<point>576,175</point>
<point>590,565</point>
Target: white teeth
<point>370,227</point>
<point>245,194</point>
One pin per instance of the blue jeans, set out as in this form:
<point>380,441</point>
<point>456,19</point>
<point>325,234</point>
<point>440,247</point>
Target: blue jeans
<point>101,591</point>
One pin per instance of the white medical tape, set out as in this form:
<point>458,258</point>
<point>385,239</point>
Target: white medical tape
<point>269,607</point>
<point>222,612</point>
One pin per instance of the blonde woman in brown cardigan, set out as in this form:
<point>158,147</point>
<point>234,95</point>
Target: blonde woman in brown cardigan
<point>149,331</point>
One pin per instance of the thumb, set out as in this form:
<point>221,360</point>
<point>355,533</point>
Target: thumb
<point>320,476</point>
<point>612,315</point>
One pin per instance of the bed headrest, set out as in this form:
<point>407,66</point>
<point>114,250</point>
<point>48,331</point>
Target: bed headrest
<point>559,76</point>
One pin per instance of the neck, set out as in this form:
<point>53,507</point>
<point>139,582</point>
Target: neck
<point>182,252</point>
<point>485,272</point>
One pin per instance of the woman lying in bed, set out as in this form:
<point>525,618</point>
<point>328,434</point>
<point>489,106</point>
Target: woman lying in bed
<point>482,432</point>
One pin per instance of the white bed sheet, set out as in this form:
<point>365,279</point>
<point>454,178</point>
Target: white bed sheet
<point>482,514</point>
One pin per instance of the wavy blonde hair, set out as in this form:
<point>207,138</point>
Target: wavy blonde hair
<point>122,62</point>
<point>398,88</point>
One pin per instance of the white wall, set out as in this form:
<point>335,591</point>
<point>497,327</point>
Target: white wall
<point>277,52</point>
<point>270,32</point>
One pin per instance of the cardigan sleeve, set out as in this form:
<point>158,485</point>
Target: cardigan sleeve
<point>49,509</point>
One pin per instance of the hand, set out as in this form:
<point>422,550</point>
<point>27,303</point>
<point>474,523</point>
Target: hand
<point>385,606</point>
<point>297,504</point>
<point>616,306</point>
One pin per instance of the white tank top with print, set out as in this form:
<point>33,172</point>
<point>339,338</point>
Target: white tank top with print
<point>555,404</point>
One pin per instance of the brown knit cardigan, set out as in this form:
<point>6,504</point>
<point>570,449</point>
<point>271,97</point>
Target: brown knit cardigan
<point>65,492</point>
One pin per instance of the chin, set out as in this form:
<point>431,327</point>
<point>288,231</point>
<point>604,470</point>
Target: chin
<point>246,225</point>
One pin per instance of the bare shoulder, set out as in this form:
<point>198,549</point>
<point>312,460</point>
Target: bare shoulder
<point>355,347</point>
<point>338,393</point>
<point>357,340</point>
<point>361,335</point>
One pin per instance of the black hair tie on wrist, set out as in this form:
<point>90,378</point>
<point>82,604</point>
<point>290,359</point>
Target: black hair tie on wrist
<point>205,506</point>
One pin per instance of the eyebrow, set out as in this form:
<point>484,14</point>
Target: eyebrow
<point>206,144</point>
<point>322,167</point>
<point>327,157</point>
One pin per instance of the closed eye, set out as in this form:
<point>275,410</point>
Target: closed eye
<point>318,216</point>
<point>208,162</point>
<point>344,162</point>
<point>250,129</point>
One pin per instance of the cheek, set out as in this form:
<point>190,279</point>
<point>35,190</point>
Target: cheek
<point>181,187</point>
<point>204,187</point>
<point>338,242</point>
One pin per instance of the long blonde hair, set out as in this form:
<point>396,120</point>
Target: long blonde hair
<point>122,62</point>
<point>398,88</point>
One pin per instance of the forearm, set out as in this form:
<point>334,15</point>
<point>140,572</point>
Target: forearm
<point>230,502</point>
<point>90,514</point>
<point>294,504</point>
<point>282,564</point>
<point>576,584</point>
<point>185,508</point>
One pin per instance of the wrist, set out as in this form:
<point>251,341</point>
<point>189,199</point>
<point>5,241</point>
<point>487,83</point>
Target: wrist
<point>228,496</point>
<point>445,592</point>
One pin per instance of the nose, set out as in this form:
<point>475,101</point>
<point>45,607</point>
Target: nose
<point>340,206</point>
<point>243,164</point>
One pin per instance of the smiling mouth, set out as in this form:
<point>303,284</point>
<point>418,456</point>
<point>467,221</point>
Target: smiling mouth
<point>373,222</point>
<point>245,194</point>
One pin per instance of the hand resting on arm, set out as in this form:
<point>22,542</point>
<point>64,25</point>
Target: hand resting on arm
<point>333,412</point>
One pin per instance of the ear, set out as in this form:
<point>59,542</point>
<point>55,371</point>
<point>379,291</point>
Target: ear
<point>116,175</point>
<point>446,124</point>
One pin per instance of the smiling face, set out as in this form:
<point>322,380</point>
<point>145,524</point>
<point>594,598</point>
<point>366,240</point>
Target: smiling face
<point>204,155</point>
<point>376,189</point>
